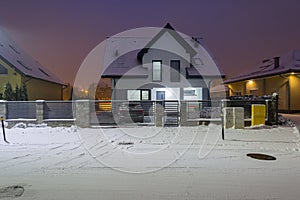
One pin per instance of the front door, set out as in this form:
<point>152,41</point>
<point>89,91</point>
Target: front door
<point>160,95</point>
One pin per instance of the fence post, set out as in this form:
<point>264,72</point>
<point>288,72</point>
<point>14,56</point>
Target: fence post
<point>159,112</point>
<point>184,118</point>
<point>39,111</point>
<point>183,113</point>
<point>3,109</point>
<point>82,113</point>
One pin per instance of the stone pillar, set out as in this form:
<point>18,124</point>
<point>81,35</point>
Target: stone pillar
<point>238,114</point>
<point>39,111</point>
<point>228,117</point>
<point>233,117</point>
<point>184,116</point>
<point>3,109</point>
<point>159,113</point>
<point>82,113</point>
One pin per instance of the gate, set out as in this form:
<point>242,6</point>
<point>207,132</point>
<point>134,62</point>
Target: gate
<point>171,113</point>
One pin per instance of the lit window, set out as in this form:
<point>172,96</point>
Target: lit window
<point>175,70</point>
<point>3,70</point>
<point>156,71</point>
<point>145,95</point>
<point>133,95</point>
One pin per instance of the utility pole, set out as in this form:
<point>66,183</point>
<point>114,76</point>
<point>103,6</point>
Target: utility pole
<point>3,129</point>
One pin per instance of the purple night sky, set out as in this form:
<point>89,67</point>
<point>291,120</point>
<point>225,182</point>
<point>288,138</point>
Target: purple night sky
<point>239,33</point>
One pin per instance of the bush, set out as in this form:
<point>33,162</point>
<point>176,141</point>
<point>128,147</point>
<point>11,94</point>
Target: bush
<point>19,94</point>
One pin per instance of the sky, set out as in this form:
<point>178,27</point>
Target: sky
<point>239,33</point>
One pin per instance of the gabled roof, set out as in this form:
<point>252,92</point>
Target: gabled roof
<point>168,28</point>
<point>126,64</point>
<point>22,62</point>
<point>288,63</point>
<point>119,63</point>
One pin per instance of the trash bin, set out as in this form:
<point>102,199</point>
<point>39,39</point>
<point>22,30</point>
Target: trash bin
<point>258,114</point>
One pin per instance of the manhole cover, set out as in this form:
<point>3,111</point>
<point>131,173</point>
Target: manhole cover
<point>13,191</point>
<point>260,156</point>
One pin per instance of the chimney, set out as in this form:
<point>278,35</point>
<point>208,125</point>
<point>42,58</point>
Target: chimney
<point>276,62</point>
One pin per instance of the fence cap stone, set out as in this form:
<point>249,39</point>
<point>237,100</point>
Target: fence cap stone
<point>40,101</point>
<point>2,101</point>
<point>82,100</point>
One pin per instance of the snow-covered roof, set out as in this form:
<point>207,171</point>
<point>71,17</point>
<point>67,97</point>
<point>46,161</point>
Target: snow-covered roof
<point>17,58</point>
<point>119,62</point>
<point>126,64</point>
<point>288,63</point>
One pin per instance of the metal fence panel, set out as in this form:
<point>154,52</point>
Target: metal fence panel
<point>21,109</point>
<point>58,110</point>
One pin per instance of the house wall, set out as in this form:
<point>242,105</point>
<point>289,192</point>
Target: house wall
<point>279,85</point>
<point>286,86</point>
<point>295,92</point>
<point>235,88</point>
<point>13,77</point>
<point>255,87</point>
<point>168,43</point>
<point>40,89</point>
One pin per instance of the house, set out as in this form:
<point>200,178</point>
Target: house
<point>18,68</point>
<point>165,66</point>
<point>279,75</point>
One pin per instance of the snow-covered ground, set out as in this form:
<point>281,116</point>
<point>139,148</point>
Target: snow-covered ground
<point>149,163</point>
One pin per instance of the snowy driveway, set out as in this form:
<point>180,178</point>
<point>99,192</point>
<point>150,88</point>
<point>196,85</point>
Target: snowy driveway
<point>71,163</point>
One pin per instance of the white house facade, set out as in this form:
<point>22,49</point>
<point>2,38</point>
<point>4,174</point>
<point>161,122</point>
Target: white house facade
<point>168,66</point>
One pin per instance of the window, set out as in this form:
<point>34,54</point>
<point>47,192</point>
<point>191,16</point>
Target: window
<point>145,95</point>
<point>175,70</point>
<point>133,95</point>
<point>156,70</point>
<point>3,70</point>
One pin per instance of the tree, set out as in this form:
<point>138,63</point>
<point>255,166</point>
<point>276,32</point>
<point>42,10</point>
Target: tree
<point>8,93</point>
<point>17,93</point>
<point>24,94</point>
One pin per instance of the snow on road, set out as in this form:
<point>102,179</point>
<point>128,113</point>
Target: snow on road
<point>150,163</point>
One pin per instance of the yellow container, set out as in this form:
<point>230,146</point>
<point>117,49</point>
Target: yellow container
<point>258,114</point>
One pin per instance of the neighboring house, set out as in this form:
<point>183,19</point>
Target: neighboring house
<point>279,75</point>
<point>168,66</point>
<point>18,68</point>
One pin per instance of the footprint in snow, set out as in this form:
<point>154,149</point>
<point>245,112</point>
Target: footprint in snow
<point>13,191</point>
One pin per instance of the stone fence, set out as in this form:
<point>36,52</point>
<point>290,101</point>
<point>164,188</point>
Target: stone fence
<point>84,113</point>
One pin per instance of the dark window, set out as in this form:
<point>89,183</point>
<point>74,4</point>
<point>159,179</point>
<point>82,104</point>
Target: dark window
<point>175,70</point>
<point>156,70</point>
<point>3,70</point>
